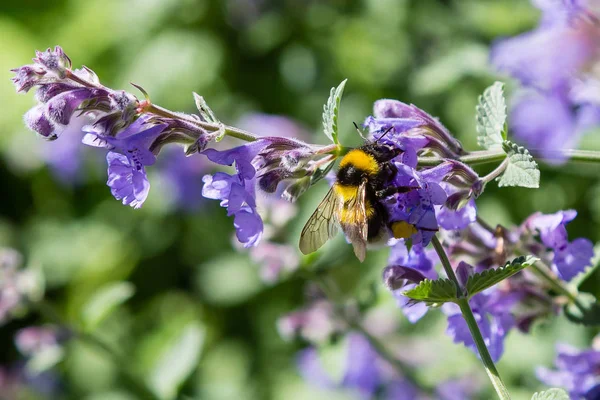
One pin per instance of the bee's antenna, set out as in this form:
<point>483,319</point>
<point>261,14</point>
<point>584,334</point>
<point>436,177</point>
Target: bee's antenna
<point>384,133</point>
<point>359,131</point>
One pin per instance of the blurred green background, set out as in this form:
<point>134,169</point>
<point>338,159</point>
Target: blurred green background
<point>199,320</point>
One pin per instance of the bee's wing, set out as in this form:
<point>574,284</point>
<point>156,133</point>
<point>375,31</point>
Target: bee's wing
<point>357,227</point>
<point>321,225</point>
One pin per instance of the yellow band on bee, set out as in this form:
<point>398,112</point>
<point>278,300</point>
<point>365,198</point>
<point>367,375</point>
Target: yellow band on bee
<point>403,230</point>
<point>347,193</point>
<point>360,160</point>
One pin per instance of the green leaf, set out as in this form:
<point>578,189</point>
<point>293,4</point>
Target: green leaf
<point>488,278</point>
<point>104,301</point>
<point>433,291</point>
<point>177,361</point>
<point>585,310</point>
<point>522,170</point>
<point>205,111</point>
<point>551,394</point>
<point>330,112</point>
<point>491,117</point>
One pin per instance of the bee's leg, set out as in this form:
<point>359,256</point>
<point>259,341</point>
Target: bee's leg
<point>390,170</point>
<point>383,193</point>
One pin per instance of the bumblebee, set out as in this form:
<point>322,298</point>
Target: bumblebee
<point>355,202</point>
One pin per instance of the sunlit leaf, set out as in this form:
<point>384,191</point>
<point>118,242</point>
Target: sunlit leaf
<point>522,170</point>
<point>104,301</point>
<point>551,394</point>
<point>177,361</point>
<point>330,112</point>
<point>433,291</point>
<point>488,278</point>
<point>491,117</point>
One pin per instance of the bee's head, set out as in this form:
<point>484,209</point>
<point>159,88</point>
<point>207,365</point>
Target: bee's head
<point>384,152</point>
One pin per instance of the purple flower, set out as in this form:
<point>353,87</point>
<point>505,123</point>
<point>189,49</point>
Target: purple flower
<point>557,62</point>
<point>570,258</point>
<point>411,124</point>
<point>492,311</point>
<point>237,192</point>
<point>576,371</point>
<point>406,269</point>
<point>360,370</point>
<point>417,207</point>
<point>129,154</point>
<point>127,182</point>
<point>402,389</point>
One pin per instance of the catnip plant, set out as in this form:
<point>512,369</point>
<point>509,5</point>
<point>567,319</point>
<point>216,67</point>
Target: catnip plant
<point>487,279</point>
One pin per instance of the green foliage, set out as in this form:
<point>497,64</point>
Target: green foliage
<point>491,117</point>
<point>331,111</point>
<point>104,301</point>
<point>433,291</point>
<point>551,394</point>
<point>522,170</point>
<point>585,310</point>
<point>177,361</point>
<point>480,281</point>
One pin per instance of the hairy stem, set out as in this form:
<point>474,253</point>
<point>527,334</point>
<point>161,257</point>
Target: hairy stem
<point>496,172</point>
<point>131,380</point>
<point>229,130</point>
<point>490,367</point>
<point>467,313</point>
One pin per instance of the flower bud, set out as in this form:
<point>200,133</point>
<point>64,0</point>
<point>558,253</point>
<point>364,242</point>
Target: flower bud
<point>61,107</point>
<point>27,77</point>
<point>396,276</point>
<point>46,92</point>
<point>463,272</point>
<point>36,120</point>
<point>412,120</point>
<point>54,60</point>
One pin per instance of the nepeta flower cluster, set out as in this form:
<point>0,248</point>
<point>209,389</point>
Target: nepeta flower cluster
<point>73,102</point>
<point>576,371</point>
<point>558,65</point>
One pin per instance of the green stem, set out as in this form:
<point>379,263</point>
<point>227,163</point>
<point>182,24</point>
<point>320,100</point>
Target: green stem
<point>467,313</point>
<point>132,381</point>
<point>496,172</point>
<point>229,130</point>
<point>473,158</point>
<point>490,367</point>
<point>437,245</point>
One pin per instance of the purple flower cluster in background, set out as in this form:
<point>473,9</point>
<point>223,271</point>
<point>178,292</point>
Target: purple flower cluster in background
<point>365,373</point>
<point>576,371</point>
<point>558,64</point>
<point>569,258</point>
